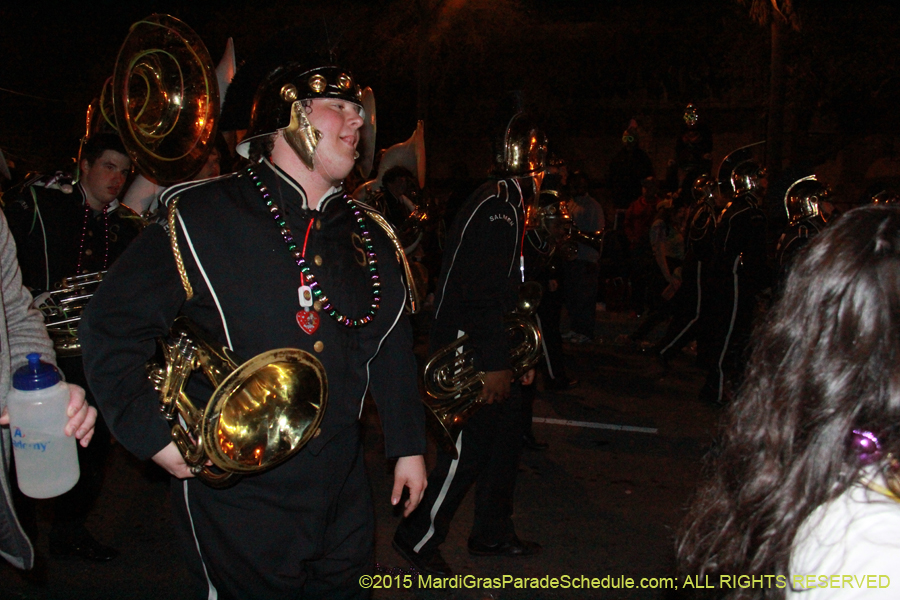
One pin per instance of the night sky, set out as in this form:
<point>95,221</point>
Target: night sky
<point>586,67</point>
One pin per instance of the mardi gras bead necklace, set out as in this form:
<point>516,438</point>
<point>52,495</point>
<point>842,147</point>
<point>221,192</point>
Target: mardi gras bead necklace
<point>309,286</point>
<point>84,228</point>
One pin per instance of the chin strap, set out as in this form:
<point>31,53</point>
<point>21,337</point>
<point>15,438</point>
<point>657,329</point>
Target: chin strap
<point>412,296</point>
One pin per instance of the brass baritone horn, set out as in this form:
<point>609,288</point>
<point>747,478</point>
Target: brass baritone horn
<point>260,414</point>
<point>62,310</point>
<point>451,381</point>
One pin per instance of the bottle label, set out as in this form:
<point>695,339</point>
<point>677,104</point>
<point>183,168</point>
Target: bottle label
<point>22,442</point>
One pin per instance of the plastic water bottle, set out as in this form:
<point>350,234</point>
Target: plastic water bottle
<point>46,458</point>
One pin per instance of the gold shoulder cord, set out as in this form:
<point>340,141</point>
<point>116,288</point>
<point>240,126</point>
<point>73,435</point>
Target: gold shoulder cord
<point>176,252</point>
<point>401,257</point>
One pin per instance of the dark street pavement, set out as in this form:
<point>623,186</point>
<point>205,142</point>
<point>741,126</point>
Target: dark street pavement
<point>603,500</point>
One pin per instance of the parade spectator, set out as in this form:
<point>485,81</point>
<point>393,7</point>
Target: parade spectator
<point>21,333</point>
<point>581,274</point>
<point>628,168</point>
<point>638,219</point>
<point>804,479</point>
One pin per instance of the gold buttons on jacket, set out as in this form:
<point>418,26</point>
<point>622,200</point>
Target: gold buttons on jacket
<point>88,252</point>
<point>318,260</point>
<point>317,306</point>
<point>318,224</point>
<point>318,346</point>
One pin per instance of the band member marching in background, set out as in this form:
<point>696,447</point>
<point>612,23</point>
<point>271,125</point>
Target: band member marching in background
<point>482,269</point>
<point>806,207</point>
<point>273,256</point>
<point>61,235</point>
<point>739,271</point>
<point>689,300</point>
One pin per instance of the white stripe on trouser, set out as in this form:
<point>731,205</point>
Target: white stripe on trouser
<point>443,494</point>
<point>213,594</point>
<point>734,308</point>
<point>544,347</point>
<point>692,321</point>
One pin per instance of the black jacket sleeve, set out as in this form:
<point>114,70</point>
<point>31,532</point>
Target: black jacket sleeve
<point>486,294</point>
<point>393,378</point>
<point>136,304</point>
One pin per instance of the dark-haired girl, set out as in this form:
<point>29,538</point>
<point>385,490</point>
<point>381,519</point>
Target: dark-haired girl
<point>805,480</point>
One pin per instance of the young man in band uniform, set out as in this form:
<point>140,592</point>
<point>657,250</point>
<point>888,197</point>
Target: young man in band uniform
<point>304,528</point>
<point>60,235</point>
<point>482,269</point>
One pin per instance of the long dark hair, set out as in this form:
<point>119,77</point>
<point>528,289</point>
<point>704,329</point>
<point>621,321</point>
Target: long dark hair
<point>825,362</point>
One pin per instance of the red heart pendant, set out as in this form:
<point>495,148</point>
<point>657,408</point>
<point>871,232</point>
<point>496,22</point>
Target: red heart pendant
<point>308,320</point>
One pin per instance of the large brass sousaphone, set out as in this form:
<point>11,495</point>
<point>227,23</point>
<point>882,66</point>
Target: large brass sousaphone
<point>165,98</point>
<point>261,413</point>
<point>454,385</point>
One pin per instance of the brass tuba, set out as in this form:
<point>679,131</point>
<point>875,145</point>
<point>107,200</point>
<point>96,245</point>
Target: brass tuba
<point>261,413</point>
<point>451,381</point>
<point>163,100</point>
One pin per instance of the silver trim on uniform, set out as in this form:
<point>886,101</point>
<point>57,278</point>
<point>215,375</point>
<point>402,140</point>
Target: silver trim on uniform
<point>440,499</point>
<point>209,285</point>
<point>213,593</point>
<point>734,307</point>
<point>692,321</point>
<point>378,349</point>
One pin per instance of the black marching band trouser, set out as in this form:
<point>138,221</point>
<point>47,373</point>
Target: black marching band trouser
<point>739,272</point>
<point>477,287</point>
<point>489,447</point>
<point>688,304</point>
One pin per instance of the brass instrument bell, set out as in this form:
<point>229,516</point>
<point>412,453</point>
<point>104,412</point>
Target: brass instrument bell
<point>262,412</point>
<point>452,383</point>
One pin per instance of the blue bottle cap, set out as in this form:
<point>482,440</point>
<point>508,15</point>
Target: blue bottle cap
<point>36,375</point>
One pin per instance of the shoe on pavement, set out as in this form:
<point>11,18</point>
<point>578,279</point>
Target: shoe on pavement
<point>531,443</point>
<point>514,547</point>
<point>430,564</point>
<point>82,545</point>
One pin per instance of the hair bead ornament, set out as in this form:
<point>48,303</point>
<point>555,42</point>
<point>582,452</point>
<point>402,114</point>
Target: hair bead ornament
<point>866,446</point>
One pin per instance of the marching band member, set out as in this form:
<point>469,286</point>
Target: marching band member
<point>689,301</point>
<point>739,271</point>
<point>61,235</point>
<point>276,256</point>
<point>482,268</point>
<point>805,205</point>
